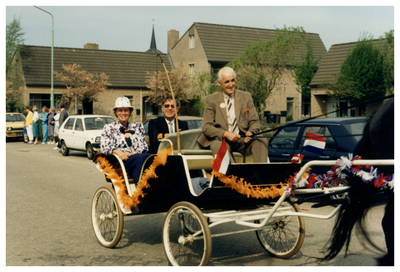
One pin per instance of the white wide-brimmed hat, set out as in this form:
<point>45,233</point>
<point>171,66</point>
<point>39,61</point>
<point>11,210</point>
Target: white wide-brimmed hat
<point>123,102</point>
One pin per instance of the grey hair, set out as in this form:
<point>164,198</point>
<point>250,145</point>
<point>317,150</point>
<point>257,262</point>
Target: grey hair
<point>52,109</point>
<point>225,69</point>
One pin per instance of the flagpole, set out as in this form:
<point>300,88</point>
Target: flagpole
<point>175,105</point>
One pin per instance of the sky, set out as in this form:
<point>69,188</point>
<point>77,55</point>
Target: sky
<point>127,26</point>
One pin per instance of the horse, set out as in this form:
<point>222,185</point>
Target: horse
<point>377,143</point>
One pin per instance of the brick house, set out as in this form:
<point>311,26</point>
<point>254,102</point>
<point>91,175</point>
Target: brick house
<point>329,65</point>
<point>126,71</point>
<point>209,47</point>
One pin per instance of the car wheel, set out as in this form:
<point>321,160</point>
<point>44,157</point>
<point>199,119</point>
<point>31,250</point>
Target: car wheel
<point>64,149</point>
<point>89,151</point>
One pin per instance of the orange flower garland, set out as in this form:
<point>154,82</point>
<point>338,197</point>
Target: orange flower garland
<point>244,188</point>
<point>115,174</point>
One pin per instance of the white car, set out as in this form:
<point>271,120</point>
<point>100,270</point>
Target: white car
<point>82,132</point>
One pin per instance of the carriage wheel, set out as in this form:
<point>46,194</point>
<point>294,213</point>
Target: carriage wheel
<point>283,236</point>
<point>107,217</point>
<point>183,244</point>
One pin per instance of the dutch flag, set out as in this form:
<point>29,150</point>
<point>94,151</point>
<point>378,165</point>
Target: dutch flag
<point>314,143</point>
<point>222,161</point>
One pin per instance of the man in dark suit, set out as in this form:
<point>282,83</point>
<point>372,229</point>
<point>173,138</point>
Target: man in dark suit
<point>231,114</point>
<point>63,116</point>
<point>63,113</point>
<point>164,124</point>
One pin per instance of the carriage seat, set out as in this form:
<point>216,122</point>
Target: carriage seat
<point>189,144</point>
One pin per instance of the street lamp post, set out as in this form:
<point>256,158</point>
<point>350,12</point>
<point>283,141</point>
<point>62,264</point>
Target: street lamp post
<point>52,56</point>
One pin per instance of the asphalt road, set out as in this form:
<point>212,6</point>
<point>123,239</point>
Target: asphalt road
<point>48,223</point>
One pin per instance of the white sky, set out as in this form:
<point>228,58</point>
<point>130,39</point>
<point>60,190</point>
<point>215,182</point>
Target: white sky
<point>127,27</point>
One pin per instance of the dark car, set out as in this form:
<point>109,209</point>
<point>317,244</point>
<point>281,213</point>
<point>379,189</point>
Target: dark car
<point>341,135</point>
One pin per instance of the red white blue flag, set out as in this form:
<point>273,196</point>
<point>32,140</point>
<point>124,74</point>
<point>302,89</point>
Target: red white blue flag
<point>297,158</point>
<point>222,161</point>
<point>314,143</point>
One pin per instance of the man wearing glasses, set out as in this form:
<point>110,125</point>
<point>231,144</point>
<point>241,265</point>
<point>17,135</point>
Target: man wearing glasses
<point>164,124</point>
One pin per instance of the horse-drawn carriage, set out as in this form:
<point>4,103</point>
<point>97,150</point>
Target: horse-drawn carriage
<point>173,187</point>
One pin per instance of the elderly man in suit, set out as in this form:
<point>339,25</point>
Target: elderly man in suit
<point>231,114</point>
<point>164,124</point>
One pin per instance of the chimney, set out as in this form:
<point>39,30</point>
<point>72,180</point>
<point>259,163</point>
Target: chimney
<point>91,46</point>
<point>173,38</point>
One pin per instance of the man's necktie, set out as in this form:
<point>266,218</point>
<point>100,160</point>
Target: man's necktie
<point>171,127</point>
<point>231,112</point>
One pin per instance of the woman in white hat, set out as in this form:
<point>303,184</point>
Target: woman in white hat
<point>125,139</point>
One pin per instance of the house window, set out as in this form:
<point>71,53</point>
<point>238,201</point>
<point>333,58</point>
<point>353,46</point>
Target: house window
<point>150,109</point>
<point>191,69</point>
<point>191,41</point>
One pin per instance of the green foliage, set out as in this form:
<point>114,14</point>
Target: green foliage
<point>203,84</point>
<point>14,40</point>
<point>367,72</point>
<point>387,47</point>
<point>14,85</point>
<point>363,72</point>
<point>263,63</point>
<point>289,118</point>
<point>305,70</point>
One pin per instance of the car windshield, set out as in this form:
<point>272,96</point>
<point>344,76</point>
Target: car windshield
<point>285,138</point>
<point>194,124</point>
<point>97,123</point>
<point>355,129</point>
<point>15,118</point>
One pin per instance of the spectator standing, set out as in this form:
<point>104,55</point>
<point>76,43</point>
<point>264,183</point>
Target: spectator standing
<point>44,117</point>
<point>56,127</point>
<point>50,125</point>
<point>35,120</point>
<point>28,123</point>
<point>63,116</point>
<point>25,134</point>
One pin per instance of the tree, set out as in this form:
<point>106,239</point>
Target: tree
<point>305,70</point>
<point>264,63</point>
<point>82,85</point>
<point>14,40</point>
<point>387,45</point>
<point>12,97</point>
<point>14,81</point>
<point>203,84</point>
<point>339,89</point>
<point>158,84</point>
<point>363,71</point>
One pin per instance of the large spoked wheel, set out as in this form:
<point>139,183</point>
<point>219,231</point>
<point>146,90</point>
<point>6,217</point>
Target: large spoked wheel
<point>107,217</point>
<point>186,236</point>
<point>283,236</point>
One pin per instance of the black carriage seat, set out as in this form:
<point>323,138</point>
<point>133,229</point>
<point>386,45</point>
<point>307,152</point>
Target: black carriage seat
<point>196,158</point>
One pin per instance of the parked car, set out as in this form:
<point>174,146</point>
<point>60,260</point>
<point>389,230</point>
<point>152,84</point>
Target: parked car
<point>82,132</point>
<point>341,135</point>
<point>193,123</point>
<point>14,125</point>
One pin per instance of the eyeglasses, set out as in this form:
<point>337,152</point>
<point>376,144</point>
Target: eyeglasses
<point>169,106</point>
